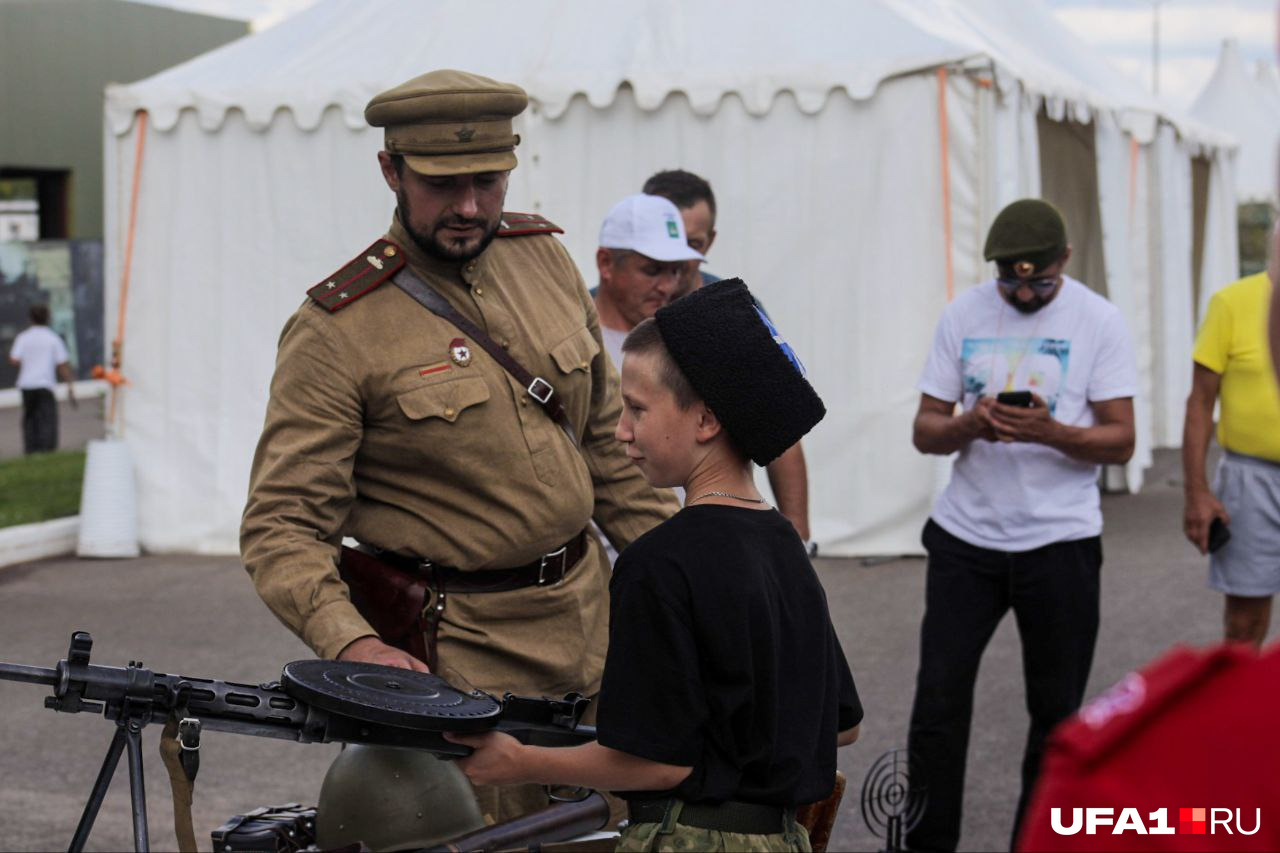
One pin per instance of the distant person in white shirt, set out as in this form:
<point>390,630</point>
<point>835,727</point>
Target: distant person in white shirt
<point>1044,371</point>
<point>42,360</point>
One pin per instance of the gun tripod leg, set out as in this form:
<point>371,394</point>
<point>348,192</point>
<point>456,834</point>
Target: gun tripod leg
<point>128,736</point>
<point>137,787</point>
<point>90,813</point>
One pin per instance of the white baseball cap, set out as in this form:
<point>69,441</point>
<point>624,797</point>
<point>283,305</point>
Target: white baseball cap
<point>649,225</point>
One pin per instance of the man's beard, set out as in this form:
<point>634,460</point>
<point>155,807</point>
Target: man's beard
<point>447,250</point>
<point>1032,305</point>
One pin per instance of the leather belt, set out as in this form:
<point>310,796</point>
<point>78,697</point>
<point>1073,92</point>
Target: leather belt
<point>731,816</point>
<point>547,570</point>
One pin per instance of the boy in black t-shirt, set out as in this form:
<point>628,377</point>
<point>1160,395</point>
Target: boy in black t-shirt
<point>725,691</point>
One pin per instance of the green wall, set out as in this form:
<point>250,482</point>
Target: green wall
<point>56,58</point>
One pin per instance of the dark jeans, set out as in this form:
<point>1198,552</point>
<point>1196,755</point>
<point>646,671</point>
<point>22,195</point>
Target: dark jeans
<point>39,420</point>
<point>1053,591</point>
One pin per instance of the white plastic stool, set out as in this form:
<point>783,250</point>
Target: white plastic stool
<point>108,502</point>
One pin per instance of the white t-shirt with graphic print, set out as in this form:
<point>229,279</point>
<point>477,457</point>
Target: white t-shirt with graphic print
<point>1076,350</point>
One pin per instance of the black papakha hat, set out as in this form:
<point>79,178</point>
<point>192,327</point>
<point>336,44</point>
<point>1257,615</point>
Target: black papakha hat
<point>741,368</point>
<point>1027,231</point>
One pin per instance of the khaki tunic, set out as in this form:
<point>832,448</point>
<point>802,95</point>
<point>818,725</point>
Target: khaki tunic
<point>373,432</point>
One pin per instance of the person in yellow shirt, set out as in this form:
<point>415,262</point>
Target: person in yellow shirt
<point>1233,365</point>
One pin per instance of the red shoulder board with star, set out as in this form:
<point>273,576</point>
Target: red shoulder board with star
<point>523,224</point>
<point>361,274</point>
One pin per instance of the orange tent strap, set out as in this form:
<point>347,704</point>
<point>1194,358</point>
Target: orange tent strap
<point>139,148</point>
<point>117,346</point>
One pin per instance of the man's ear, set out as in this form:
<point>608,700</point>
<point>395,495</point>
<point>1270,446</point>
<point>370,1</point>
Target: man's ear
<point>604,264</point>
<point>711,239</point>
<point>709,425</point>
<point>389,173</point>
<point>1067,256</point>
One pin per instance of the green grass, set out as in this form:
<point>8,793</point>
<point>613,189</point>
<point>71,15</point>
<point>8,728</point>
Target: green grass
<point>40,487</point>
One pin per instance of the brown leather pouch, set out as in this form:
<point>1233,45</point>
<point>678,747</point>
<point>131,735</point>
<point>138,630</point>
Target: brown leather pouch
<point>393,602</point>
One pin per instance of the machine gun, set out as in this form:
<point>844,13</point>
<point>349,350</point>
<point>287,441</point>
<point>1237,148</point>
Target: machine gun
<point>315,701</point>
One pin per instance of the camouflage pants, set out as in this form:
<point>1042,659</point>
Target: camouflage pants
<point>671,835</point>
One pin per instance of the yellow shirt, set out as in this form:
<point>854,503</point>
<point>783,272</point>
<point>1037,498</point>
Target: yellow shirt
<point>1233,342</point>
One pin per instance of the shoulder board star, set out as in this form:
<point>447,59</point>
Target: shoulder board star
<point>361,274</point>
<point>523,224</point>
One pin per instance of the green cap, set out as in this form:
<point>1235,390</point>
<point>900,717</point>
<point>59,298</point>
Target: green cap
<point>1028,231</point>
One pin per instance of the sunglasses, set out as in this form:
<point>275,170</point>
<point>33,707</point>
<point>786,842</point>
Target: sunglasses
<point>1039,286</point>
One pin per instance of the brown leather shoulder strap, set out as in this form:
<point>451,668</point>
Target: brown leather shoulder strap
<point>539,389</point>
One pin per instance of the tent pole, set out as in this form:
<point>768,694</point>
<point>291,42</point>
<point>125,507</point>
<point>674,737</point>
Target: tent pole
<point>944,141</point>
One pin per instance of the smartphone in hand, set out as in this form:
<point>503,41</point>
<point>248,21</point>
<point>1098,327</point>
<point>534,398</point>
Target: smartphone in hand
<point>1015,398</point>
<point>1219,534</point>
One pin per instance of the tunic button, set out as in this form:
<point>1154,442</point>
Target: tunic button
<point>448,413</point>
<point>479,291</point>
<point>524,399</point>
<point>583,365</point>
<point>506,344</point>
<point>471,267</point>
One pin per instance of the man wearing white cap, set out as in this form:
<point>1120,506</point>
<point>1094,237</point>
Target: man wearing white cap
<point>643,250</point>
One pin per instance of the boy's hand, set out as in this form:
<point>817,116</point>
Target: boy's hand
<point>496,760</point>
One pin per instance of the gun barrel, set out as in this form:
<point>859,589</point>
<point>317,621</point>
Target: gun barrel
<point>28,674</point>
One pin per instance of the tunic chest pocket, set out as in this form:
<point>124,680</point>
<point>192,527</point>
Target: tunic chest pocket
<point>445,401</point>
<point>573,358</point>
<point>575,352</point>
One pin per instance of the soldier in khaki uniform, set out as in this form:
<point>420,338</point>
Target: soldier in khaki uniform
<point>388,424</point>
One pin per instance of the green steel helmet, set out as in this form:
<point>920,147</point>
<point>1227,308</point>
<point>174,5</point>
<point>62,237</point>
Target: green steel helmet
<point>1027,231</point>
<point>393,799</point>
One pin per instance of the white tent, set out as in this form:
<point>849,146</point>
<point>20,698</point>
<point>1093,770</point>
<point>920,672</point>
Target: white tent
<point>1268,74</point>
<point>858,150</point>
<point>1247,105</point>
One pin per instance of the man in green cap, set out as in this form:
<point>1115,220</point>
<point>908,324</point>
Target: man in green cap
<point>1044,372</point>
<point>465,446</point>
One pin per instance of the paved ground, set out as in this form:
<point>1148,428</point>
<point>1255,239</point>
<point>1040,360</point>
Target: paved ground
<point>199,616</point>
<point>76,426</point>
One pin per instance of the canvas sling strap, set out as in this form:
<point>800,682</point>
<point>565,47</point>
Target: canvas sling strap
<point>538,388</point>
<point>180,750</point>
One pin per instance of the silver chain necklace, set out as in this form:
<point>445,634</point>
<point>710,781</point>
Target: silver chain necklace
<point>726,495</point>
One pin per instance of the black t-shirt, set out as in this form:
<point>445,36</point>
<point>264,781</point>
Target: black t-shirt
<point>722,657</point>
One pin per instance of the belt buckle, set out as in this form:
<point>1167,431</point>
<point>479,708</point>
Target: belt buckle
<point>542,396</point>
<point>189,734</point>
<point>542,564</point>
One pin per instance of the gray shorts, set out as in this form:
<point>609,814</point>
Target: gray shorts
<point>1249,564</point>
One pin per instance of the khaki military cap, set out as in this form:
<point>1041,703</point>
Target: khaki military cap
<point>450,122</point>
